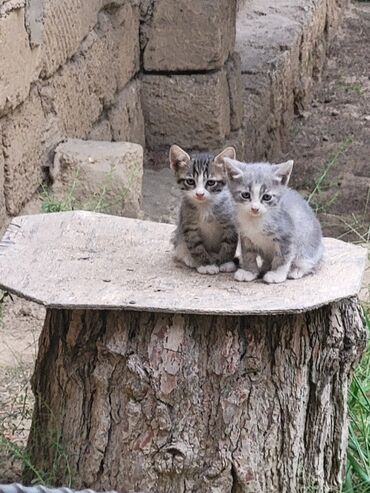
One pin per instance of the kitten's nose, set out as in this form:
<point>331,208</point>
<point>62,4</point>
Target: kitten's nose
<point>200,195</point>
<point>255,210</point>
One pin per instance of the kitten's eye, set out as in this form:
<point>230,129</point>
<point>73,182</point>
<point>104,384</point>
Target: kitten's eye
<point>245,195</point>
<point>267,197</point>
<point>211,183</point>
<point>190,182</point>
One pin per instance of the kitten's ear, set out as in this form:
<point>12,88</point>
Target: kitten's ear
<point>233,172</point>
<point>283,171</point>
<point>178,158</point>
<point>229,153</point>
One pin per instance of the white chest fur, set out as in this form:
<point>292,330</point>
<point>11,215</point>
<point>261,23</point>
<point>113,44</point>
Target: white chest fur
<point>210,229</point>
<point>252,228</point>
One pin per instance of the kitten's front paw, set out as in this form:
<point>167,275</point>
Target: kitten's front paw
<point>242,275</point>
<point>274,277</point>
<point>208,269</point>
<point>228,267</point>
<point>182,254</point>
<point>189,262</point>
<point>296,274</point>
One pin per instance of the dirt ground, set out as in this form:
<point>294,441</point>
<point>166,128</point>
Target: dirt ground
<point>331,138</point>
<point>330,142</point>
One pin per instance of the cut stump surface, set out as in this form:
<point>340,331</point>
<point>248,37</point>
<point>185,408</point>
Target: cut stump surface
<point>95,261</point>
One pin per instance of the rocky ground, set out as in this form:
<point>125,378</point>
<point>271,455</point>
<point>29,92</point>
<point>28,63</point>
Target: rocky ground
<point>332,136</point>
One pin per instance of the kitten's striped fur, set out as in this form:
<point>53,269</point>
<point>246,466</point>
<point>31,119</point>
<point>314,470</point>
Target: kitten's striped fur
<point>206,237</point>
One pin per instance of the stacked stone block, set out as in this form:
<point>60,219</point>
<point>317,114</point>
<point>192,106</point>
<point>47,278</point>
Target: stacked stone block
<point>283,47</point>
<point>190,85</point>
<point>203,91</point>
<point>107,69</point>
<point>69,69</point>
<point>105,176</point>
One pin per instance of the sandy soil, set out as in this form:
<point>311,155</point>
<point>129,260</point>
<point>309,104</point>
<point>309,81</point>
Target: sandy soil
<point>337,124</point>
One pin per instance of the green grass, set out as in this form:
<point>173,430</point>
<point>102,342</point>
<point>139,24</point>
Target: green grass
<point>13,424</point>
<point>358,228</point>
<point>355,87</point>
<point>18,453</point>
<point>357,479</point>
<point>358,453</point>
<point>50,203</point>
<point>103,200</point>
<point>357,225</point>
<point>321,182</point>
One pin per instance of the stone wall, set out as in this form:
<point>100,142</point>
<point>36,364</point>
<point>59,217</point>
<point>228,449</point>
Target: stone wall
<point>191,75</point>
<point>283,47</point>
<point>68,68</point>
<point>243,93</point>
<point>200,74</point>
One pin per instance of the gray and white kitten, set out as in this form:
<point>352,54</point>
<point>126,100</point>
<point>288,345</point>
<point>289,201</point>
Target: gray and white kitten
<point>206,237</point>
<point>275,223</point>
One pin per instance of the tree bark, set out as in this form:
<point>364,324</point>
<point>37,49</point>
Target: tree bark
<point>184,403</point>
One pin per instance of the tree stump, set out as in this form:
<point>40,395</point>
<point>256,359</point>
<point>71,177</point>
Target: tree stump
<point>151,377</point>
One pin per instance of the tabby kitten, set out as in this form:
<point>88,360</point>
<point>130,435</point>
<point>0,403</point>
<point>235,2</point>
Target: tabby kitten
<point>206,236</point>
<point>275,223</point>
